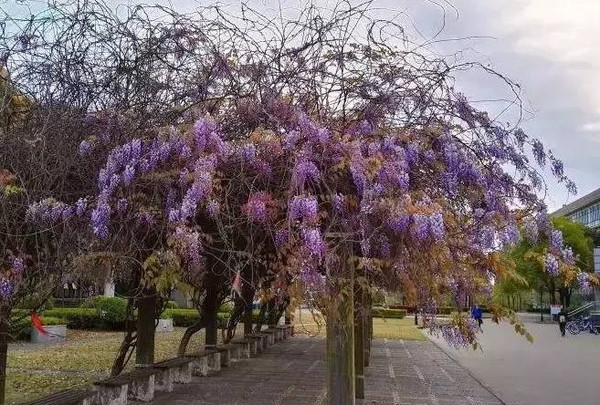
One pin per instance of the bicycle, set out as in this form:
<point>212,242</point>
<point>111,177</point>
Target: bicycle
<point>575,327</point>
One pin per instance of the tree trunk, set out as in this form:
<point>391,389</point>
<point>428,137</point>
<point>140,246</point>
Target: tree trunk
<point>248,318</point>
<point>340,353</point>
<point>4,336</point>
<point>146,306</point>
<point>359,341</point>
<point>211,307</point>
<point>340,334</point>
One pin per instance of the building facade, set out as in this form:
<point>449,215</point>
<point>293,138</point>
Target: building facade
<point>585,210</point>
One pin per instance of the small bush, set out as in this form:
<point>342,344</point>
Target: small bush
<point>388,313</point>
<point>111,310</point>
<point>226,308</point>
<point>409,308</point>
<point>172,305</point>
<point>50,320</point>
<point>188,317</point>
<point>78,318</point>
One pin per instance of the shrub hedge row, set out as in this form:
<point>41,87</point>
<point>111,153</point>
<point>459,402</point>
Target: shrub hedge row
<point>388,313</point>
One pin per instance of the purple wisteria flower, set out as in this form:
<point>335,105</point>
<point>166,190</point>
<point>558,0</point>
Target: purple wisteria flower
<point>313,242</point>
<point>49,211</point>
<point>212,208</point>
<point>303,208</point>
<point>81,206</point>
<point>399,223</point>
<point>556,241</point>
<point>101,217</point>
<point>551,265</point>
<point>420,227</point>
<point>122,206</point>
<point>281,237</point>
<point>568,256</point>
<point>436,226</point>
<point>6,288</point>
<point>86,147</point>
<point>304,171</point>
<point>585,285</point>
<point>18,265</point>
<point>256,207</point>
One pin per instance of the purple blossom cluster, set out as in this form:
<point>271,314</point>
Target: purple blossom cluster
<point>510,235</point>
<point>49,211</point>
<point>281,237</point>
<point>7,288</point>
<point>424,227</point>
<point>256,208</point>
<point>313,242</point>
<point>556,241</point>
<point>188,243</point>
<point>304,171</point>
<point>551,265</point>
<point>585,286</point>
<point>304,208</point>
<point>207,137</point>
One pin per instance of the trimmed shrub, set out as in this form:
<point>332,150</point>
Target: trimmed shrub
<point>78,318</point>
<point>111,310</point>
<point>388,313</point>
<point>226,308</point>
<point>188,317</point>
<point>20,328</point>
<point>181,317</point>
<point>408,308</point>
<point>172,305</point>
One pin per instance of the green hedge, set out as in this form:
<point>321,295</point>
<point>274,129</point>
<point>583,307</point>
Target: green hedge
<point>388,313</point>
<point>187,317</point>
<point>81,318</point>
<point>20,328</point>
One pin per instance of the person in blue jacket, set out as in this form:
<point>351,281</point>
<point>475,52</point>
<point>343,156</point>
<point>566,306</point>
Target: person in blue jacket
<point>477,314</point>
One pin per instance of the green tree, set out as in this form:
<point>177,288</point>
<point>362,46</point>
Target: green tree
<point>526,264</point>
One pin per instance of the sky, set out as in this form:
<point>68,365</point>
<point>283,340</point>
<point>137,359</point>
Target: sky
<point>548,46</point>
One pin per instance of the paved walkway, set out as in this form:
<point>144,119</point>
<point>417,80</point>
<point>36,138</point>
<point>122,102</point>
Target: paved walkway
<point>293,372</point>
<point>551,371</point>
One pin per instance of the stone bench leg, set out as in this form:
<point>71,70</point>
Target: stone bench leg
<point>253,348</point>
<point>164,380</point>
<point>225,357</point>
<point>244,349</point>
<point>112,395</point>
<point>200,366</point>
<point>183,374</point>
<point>142,389</point>
<point>214,362</point>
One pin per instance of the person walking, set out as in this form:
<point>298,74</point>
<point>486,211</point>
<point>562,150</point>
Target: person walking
<point>477,314</point>
<point>562,321</point>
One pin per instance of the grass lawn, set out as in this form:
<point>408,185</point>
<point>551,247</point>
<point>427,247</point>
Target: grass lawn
<point>38,370</point>
<point>382,327</point>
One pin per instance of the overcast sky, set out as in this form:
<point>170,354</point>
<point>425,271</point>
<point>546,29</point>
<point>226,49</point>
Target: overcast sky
<point>550,47</point>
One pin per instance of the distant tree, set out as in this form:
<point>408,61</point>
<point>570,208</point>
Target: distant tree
<point>532,263</point>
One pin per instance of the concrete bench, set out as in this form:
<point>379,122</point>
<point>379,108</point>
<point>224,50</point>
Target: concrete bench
<point>229,354</point>
<point>138,385</point>
<point>66,397</point>
<point>285,331</point>
<point>249,347</point>
<point>177,370</point>
<point>270,336</point>
<point>261,341</point>
<point>277,333</point>
<point>202,359</point>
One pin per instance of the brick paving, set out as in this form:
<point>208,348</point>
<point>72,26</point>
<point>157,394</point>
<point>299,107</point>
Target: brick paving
<point>293,372</point>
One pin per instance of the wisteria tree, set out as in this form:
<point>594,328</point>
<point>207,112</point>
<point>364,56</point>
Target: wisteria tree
<point>320,152</point>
